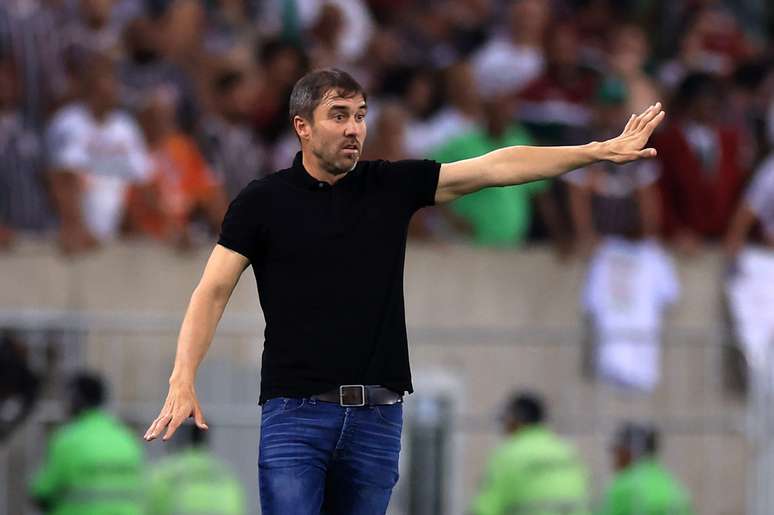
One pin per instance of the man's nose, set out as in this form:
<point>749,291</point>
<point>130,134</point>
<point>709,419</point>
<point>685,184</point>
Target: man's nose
<point>352,128</point>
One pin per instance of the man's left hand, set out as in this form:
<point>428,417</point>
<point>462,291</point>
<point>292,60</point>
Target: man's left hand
<point>629,145</point>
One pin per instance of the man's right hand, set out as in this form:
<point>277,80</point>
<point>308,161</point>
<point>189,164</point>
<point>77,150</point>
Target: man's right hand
<point>181,403</point>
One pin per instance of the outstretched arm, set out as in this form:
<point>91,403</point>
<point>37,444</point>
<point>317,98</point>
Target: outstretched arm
<point>208,301</point>
<point>520,164</point>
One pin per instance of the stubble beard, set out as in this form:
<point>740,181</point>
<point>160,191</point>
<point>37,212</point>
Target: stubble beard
<point>331,164</point>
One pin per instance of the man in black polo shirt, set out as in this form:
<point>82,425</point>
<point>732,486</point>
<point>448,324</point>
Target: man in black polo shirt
<point>326,239</point>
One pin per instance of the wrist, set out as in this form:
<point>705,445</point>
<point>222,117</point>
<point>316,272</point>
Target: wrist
<point>179,378</point>
<point>599,151</point>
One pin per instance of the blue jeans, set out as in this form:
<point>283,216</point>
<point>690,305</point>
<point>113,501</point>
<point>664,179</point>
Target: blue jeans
<point>320,458</point>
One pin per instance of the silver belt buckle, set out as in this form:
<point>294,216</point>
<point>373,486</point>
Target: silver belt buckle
<point>341,395</point>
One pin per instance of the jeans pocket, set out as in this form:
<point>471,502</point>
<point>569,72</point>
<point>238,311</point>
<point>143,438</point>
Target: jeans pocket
<point>279,406</point>
<point>391,414</point>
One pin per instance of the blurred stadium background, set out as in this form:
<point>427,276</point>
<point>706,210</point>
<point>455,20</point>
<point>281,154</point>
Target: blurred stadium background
<point>492,306</point>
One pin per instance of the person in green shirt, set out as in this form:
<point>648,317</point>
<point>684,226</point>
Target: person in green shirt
<point>194,482</point>
<point>534,472</point>
<point>497,217</point>
<point>642,486</point>
<point>94,463</point>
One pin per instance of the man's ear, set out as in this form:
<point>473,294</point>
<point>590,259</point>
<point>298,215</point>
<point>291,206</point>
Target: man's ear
<point>302,127</point>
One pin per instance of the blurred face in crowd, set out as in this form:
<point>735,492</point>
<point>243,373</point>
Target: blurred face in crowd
<point>336,134</point>
<point>706,106</point>
<point>96,12</point>
<point>238,102</point>
<point>461,87</point>
<point>158,118</point>
<point>142,40</point>
<point>629,49</point>
<point>562,46</point>
<point>528,19</point>
<point>419,95</point>
<point>101,86</point>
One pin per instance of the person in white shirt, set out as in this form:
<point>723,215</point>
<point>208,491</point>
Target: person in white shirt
<point>95,152</point>
<point>749,291</point>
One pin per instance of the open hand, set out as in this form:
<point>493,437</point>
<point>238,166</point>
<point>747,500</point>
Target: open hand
<point>181,403</point>
<point>629,145</point>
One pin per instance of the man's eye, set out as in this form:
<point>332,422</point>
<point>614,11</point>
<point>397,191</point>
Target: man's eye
<point>360,117</point>
<point>339,117</point>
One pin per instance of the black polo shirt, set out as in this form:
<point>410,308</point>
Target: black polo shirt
<point>328,263</point>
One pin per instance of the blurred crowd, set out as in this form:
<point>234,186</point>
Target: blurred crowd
<point>142,118</point>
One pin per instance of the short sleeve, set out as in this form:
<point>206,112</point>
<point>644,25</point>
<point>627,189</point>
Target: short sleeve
<point>65,144</point>
<point>761,190</point>
<point>415,179</point>
<point>241,230</point>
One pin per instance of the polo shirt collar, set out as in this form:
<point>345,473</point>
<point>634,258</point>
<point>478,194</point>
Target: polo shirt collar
<point>301,177</point>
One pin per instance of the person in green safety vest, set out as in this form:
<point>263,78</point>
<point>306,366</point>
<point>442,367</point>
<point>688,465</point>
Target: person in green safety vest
<point>642,486</point>
<point>94,464</point>
<point>534,472</point>
<point>194,482</point>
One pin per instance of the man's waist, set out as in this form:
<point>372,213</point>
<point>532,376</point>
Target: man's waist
<point>354,395</point>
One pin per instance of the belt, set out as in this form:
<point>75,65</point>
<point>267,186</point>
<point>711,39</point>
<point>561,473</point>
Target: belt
<point>353,395</point>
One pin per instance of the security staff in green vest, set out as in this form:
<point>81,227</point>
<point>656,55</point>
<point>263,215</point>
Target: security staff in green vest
<point>94,463</point>
<point>194,482</point>
<point>642,486</point>
<point>534,472</point>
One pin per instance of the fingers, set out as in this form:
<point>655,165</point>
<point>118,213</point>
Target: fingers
<point>647,153</point>
<point>199,419</point>
<point>177,420</point>
<point>646,116</point>
<point>158,426</point>
<point>629,123</point>
<point>652,124</point>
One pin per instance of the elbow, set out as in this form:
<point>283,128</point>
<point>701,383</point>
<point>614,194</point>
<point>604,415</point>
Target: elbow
<point>211,293</point>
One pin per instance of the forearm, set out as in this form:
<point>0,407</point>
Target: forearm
<point>65,191</point>
<point>196,333</point>
<point>520,164</point>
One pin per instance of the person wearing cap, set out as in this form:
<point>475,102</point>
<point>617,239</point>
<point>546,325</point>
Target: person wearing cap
<point>194,481</point>
<point>94,464</point>
<point>642,485</point>
<point>326,240</point>
<point>534,471</point>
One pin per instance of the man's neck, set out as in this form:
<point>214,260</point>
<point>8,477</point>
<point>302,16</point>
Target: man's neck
<point>315,169</point>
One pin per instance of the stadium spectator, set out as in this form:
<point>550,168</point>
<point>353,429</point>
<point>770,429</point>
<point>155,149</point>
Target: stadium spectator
<point>610,201</point>
<point>534,470</point>
<point>629,52</point>
<point>641,483</point>
<point>749,291</point>
<point>94,464</point>
<point>555,106</point>
<point>96,151</point>
<point>226,137</point>
<point>181,184</point>
<point>194,481</point>
<point>147,69</point>
<point>703,164</point>
<point>498,217</point>
<point>24,203</point>
<point>510,60</point>
<point>28,36</point>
